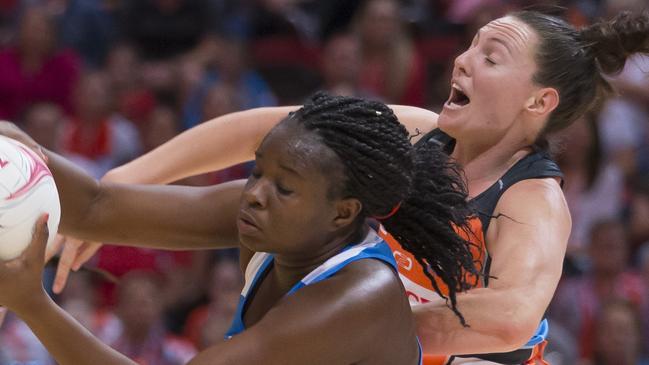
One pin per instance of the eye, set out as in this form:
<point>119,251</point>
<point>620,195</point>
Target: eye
<point>489,61</point>
<point>283,190</point>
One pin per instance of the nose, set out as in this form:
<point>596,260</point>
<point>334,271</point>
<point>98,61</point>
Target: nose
<point>255,194</point>
<point>462,67</point>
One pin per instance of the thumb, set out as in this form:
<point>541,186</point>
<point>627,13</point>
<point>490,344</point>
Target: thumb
<point>36,250</point>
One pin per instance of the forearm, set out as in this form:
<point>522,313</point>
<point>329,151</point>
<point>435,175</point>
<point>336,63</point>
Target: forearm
<point>64,338</point>
<point>497,322</point>
<point>210,146</point>
<point>77,190</point>
<point>226,141</point>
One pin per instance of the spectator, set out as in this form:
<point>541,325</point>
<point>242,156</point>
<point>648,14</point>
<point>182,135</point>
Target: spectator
<point>135,101</point>
<point>89,27</point>
<point>81,301</point>
<point>220,99</point>
<point>578,300</point>
<point>20,346</point>
<point>44,122</point>
<point>164,29</point>
<point>618,337</point>
<point>96,135</point>
<point>34,70</point>
<point>341,66</point>
<point>625,119</point>
<point>593,186</point>
<point>392,67</point>
<point>142,335</point>
<point>231,68</point>
<point>208,324</point>
<point>160,127</point>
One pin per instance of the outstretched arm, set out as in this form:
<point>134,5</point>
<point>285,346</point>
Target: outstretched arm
<point>210,146</point>
<point>213,145</point>
<point>226,141</point>
<point>527,244</point>
<point>172,217</point>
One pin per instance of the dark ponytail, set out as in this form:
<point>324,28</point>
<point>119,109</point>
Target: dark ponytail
<point>575,61</point>
<point>612,42</point>
<point>420,192</point>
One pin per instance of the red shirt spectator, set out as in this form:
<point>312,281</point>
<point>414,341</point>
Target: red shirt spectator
<point>33,70</point>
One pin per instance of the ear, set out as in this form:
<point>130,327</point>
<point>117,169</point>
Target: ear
<point>347,210</point>
<point>543,102</point>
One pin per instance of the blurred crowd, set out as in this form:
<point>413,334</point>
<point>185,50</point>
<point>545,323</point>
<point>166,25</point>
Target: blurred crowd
<point>104,81</point>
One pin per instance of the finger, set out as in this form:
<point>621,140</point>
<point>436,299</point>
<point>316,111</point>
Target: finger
<point>65,264</point>
<point>35,252</point>
<point>42,154</point>
<point>55,247</point>
<point>89,250</point>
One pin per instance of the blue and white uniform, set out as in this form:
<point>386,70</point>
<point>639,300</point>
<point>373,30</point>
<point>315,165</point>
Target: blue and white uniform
<point>372,247</point>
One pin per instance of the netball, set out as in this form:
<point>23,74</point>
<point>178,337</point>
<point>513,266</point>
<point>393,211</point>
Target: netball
<point>27,190</point>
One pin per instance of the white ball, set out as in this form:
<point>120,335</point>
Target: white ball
<point>27,191</point>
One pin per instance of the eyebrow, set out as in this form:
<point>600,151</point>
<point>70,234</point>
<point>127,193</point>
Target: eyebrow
<point>498,40</point>
<point>259,155</point>
<point>494,39</point>
<point>290,169</point>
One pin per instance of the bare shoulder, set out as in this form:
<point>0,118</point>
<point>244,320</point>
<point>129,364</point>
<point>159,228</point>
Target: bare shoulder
<point>531,214</point>
<point>535,196</point>
<point>358,316</point>
<point>369,286</point>
<point>375,279</point>
<point>361,312</point>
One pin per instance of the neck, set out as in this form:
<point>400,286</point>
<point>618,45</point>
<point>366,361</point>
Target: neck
<point>288,270</point>
<point>483,164</point>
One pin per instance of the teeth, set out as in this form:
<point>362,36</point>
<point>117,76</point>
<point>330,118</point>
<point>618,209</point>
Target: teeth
<point>456,86</point>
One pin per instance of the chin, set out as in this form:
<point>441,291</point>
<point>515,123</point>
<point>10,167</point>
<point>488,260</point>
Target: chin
<point>252,243</point>
<point>450,125</point>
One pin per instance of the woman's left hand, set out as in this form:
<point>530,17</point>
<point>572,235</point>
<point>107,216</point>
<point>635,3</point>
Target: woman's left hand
<point>21,278</point>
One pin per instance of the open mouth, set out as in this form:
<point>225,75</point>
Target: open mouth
<point>458,97</point>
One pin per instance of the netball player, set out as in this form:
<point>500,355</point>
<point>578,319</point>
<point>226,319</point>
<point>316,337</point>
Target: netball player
<point>321,285</point>
<point>525,75</point>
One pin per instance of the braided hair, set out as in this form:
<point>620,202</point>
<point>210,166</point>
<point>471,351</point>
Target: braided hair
<point>384,171</point>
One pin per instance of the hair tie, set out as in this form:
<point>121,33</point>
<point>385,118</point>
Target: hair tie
<point>392,212</point>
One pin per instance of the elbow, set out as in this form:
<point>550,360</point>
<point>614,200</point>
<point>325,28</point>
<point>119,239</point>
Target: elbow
<point>516,331</point>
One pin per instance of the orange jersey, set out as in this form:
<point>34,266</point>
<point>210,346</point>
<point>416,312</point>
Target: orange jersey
<point>418,286</point>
